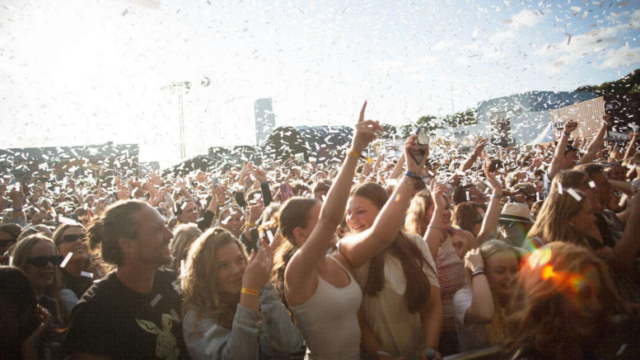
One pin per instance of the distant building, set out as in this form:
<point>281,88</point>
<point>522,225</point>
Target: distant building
<point>265,119</point>
<point>521,118</point>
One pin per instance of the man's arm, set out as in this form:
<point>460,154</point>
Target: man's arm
<point>556,163</point>
<point>597,142</point>
<point>474,156</point>
<point>631,149</point>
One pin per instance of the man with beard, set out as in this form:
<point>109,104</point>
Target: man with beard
<point>133,313</point>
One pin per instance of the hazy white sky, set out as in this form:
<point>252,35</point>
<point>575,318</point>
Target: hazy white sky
<point>79,72</point>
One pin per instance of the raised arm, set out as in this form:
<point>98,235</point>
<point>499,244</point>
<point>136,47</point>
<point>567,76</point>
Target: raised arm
<point>556,163</point>
<point>434,234</point>
<point>627,249</point>
<point>490,222</point>
<point>482,308</point>
<point>596,144</point>
<point>474,155</point>
<point>397,170</point>
<point>301,268</point>
<point>631,147</point>
<point>360,248</point>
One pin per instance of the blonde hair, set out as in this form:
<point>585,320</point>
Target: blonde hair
<point>552,222</point>
<point>21,255</point>
<point>496,329</point>
<point>183,237</point>
<point>200,278</point>
<point>416,221</point>
<point>538,305</point>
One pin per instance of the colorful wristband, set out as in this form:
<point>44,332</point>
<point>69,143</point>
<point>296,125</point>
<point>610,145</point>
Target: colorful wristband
<point>249,291</point>
<point>412,175</point>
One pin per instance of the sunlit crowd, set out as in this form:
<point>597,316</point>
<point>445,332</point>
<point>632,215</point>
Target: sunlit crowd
<point>525,253</point>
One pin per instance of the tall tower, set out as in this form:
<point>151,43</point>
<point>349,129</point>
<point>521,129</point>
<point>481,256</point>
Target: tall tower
<point>265,119</point>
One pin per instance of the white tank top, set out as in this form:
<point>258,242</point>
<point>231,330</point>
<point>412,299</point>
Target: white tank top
<point>328,321</point>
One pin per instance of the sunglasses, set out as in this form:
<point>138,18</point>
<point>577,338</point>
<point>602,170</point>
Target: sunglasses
<point>42,261</point>
<point>5,243</point>
<point>74,238</point>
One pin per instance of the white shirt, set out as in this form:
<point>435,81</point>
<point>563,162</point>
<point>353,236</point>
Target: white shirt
<point>399,332</point>
<point>470,336</point>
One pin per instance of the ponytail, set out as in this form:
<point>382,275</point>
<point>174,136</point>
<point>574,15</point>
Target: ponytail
<point>117,222</point>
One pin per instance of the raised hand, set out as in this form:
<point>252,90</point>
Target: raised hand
<point>409,145</point>
<point>480,147</point>
<point>258,271</point>
<point>365,132</point>
<point>32,343</point>
<point>570,126</point>
<point>16,196</point>
<point>155,178</point>
<point>366,170</point>
<point>255,212</point>
<point>607,119</point>
<point>201,177</point>
<point>438,192</point>
<point>123,191</point>
<point>473,260</point>
<point>259,174</point>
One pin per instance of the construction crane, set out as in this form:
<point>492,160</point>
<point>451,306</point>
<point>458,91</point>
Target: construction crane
<point>181,87</point>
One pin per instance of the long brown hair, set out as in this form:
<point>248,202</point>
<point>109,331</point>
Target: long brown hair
<point>21,255</point>
<point>293,214</point>
<point>466,216</point>
<point>183,236</point>
<point>538,306</point>
<point>418,286</point>
<point>567,179</point>
<point>200,277</point>
<point>552,223</point>
<point>416,221</point>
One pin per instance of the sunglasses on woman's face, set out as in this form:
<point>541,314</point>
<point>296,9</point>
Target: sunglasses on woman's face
<point>42,261</point>
<point>74,238</point>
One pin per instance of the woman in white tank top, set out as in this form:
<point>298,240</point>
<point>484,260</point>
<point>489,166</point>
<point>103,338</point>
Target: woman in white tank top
<point>320,289</point>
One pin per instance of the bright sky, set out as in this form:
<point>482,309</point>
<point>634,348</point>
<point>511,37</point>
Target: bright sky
<point>77,72</point>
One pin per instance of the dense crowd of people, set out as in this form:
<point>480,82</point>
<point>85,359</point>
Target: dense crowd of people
<point>421,256</point>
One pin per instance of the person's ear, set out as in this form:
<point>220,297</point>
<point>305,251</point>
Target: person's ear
<point>299,234</point>
<point>127,245</point>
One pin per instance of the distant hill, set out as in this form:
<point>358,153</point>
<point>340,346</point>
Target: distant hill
<point>629,84</point>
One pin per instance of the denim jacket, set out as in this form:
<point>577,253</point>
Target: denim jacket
<point>265,334</point>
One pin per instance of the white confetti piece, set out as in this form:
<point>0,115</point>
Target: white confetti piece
<point>270,236</point>
<point>621,350</point>
<point>559,188</point>
<point>175,316</point>
<point>592,184</point>
<point>155,300</point>
<point>66,260</point>
<point>86,274</point>
<point>574,194</point>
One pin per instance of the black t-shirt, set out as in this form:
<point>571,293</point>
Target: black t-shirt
<point>113,320</point>
<point>79,285</point>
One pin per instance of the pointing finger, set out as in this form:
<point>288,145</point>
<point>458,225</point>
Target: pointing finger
<point>364,106</point>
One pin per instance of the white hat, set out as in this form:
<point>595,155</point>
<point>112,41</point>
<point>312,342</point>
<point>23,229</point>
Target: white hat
<point>516,212</point>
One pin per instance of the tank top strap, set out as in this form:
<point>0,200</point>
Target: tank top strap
<point>342,266</point>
